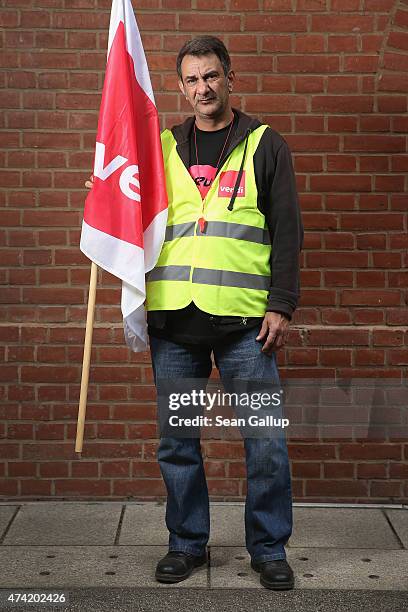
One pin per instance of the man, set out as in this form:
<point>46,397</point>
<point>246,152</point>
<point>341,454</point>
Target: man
<point>227,283</point>
<point>220,286</point>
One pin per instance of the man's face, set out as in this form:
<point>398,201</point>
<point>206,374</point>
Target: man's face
<point>205,85</point>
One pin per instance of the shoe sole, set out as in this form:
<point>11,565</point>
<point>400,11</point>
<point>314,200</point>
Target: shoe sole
<point>281,586</point>
<point>173,579</point>
<point>275,586</point>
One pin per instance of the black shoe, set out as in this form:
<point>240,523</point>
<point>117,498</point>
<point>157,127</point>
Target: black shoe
<point>276,575</point>
<point>177,566</point>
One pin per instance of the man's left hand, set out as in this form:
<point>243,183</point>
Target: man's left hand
<point>275,327</point>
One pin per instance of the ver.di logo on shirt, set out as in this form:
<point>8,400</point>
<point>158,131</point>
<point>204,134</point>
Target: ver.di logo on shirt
<point>227,184</point>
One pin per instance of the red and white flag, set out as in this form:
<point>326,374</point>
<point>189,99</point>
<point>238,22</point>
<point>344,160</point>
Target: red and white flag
<point>126,210</point>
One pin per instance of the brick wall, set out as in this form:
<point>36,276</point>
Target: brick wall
<point>330,75</point>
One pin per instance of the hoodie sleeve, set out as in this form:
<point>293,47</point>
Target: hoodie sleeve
<point>278,201</point>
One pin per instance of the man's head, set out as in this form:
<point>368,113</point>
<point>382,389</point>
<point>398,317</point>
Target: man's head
<point>205,76</point>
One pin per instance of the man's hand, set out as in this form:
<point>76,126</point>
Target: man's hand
<point>275,327</point>
<point>89,184</point>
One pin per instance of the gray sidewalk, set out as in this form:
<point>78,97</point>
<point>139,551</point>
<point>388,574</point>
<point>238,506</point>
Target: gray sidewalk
<point>74,545</point>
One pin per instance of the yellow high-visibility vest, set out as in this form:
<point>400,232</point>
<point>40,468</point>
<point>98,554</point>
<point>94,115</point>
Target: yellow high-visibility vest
<point>224,268</point>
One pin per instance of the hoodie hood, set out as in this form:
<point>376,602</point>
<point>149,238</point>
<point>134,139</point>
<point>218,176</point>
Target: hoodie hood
<point>181,133</point>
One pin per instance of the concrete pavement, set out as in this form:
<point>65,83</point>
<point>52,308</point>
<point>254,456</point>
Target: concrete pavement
<point>113,547</point>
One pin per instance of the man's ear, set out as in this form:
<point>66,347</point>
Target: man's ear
<point>181,86</point>
<point>231,80</point>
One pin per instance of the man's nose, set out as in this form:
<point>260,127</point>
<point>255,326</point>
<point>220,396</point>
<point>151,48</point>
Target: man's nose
<point>202,87</point>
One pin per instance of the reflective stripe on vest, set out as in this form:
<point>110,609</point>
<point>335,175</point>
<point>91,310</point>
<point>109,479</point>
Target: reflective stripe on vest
<point>221,229</point>
<point>223,278</point>
<point>224,269</point>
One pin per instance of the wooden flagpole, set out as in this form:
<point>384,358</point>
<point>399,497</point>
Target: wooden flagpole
<point>87,359</point>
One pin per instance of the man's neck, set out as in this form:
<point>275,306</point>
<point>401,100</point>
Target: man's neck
<point>211,124</point>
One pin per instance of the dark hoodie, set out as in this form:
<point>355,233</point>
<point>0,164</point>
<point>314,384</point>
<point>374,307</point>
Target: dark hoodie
<point>278,201</point>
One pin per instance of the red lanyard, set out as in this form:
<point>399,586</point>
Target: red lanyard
<point>202,222</point>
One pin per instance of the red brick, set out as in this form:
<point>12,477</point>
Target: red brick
<point>338,469</point>
<point>191,22</point>
<point>311,451</point>
<point>318,297</point>
<point>386,489</point>
<point>108,449</point>
<point>115,469</point>
<point>341,163</point>
<point>347,183</point>
<point>20,431</point>
<point>342,43</point>
<point>370,298</point>
<point>149,488</point>
<point>84,469</point>
<point>85,487</point>
<point>311,5</point>
<point>310,278</point>
<point>145,469</point>
<point>361,64</point>
<point>336,488</point>
<point>245,5</point>
<point>18,469</point>
<point>313,143</point>
<point>353,104</point>
<point>223,487</point>
<point>224,450</point>
<point>335,357</point>
<point>50,431</point>
<point>305,470</point>
<point>370,278</point>
<point>371,221</point>
<point>378,5</point>
<point>276,43</point>
<point>50,40</point>
<point>397,357</point>
<point>374,143</point>
<point>312,43</point>
<point>398,470</point>
<point>54,469</point>
<point>370,451</point>
<point>341,337</point>
<point>342,23</point>
<point>322,221</point>
<point>308,63</point>
<point>109,431</point>
<point>53,80</point>
<point>276,23</point>
<point>337,260</point>
<point>236,469</point>
<point>9,19</point>
<point>303,356</point>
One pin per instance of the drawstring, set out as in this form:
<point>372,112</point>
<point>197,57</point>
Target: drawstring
<point>239,177</point>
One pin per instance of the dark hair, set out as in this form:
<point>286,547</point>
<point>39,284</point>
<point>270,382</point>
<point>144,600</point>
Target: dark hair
<point>204,45</point>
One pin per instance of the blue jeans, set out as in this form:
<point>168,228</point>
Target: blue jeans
<point>268,507</point>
